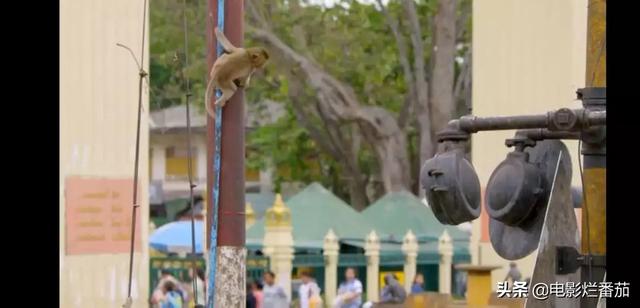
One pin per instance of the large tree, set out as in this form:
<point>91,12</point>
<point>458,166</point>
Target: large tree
<point>365,86</point>
<point>339,109</point>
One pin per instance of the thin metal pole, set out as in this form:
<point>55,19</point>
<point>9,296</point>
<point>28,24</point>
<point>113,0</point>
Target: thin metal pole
<point>214,133</point>
<point>142,74</point>
<point>187,95</point>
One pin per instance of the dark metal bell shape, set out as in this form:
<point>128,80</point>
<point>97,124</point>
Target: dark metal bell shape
<point>515,188</point>
<point>452,187</point>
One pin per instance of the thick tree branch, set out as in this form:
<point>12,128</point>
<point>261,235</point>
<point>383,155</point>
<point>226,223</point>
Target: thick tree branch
<point>313,130</point>
<point>255,16</point>
<point>423,113</point>
<point>298,33</point>
<point>332,142</point>
<point>338,104</point>
<point>462,21</point>
<point>403,55</point>
<point>444,50</point>
<point>408,105</point>
<point>466,94</point>
<point>464,77</point>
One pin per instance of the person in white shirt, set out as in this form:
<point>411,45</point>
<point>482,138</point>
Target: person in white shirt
<point>273,295</point>
<point>309,292</point>
<point>350,291</point>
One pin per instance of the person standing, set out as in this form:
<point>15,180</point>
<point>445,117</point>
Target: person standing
<point>171,297</point>
<point>350,291</point>
<point>392,292</point>
<point>251,300</point>
<point>159,292</point>
<point>273,295</point>
<point>418,284</point>
<point>513,274</point>
<point>309,292</point>
<point>256,290</point>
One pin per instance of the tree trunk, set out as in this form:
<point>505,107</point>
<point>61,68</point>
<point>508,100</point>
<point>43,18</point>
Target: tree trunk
<point>444,51</point>
<point>358,194</point>
<point>421,85</point>
<point>338,105</point>
<point>394,167</point>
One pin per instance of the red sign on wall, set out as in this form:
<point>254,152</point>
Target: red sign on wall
<point>98,216</point>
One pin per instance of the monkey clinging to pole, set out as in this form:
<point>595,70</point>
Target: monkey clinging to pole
<point>232,70</point>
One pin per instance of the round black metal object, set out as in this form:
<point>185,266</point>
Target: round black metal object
<point>515,188</point>
<point>516,242</point>
<point>452,187</point>
<point>564,119</point>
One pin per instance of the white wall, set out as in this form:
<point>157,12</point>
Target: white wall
<point>98,110</point>
<point>528,57</point>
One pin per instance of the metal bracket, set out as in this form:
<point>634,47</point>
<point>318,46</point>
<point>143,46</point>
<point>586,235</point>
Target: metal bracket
<point>520,142</point>
<point>595,138</point>
<point>568,260</point>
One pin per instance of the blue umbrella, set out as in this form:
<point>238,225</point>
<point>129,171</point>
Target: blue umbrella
<point>175,237</point>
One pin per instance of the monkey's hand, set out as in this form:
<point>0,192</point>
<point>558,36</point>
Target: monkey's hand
<point>243,82</point>
<point>240,83</point>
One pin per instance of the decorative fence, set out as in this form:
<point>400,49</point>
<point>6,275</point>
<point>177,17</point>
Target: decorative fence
<point>179,268</point>
<point>257,265</point>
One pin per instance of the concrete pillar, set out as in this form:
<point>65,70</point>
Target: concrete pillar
<point>158,162</point>
<point>266,179</point>
<point>474,240</point>
<point>479,286</point>
<point>410,251</point>
<point>331,250</point>
<point>201,160</point>
<point>152,227</point>
<point>445,249</point>
<point>278,243</point>
<point>372,252</point>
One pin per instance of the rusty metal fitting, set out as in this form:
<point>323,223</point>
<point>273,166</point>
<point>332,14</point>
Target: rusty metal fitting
<point>564,119</point>
<point>453,133</point>
<point>519,142</point>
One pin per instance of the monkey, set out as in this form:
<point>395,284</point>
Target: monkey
<point>232,70</point>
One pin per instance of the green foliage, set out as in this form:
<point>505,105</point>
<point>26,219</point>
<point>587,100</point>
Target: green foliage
<point>167,52</point>
<point>289,147</point>
<point>350,40</point>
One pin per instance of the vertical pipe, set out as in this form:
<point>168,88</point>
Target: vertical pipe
<point>212,21</point>
<point>142,74</point>
<point>594,176</point>
<point>231,221</point>
<point>596,45</point>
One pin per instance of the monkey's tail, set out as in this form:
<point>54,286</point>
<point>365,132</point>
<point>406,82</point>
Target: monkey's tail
<point>207,100</point>
<point>226,45</point>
